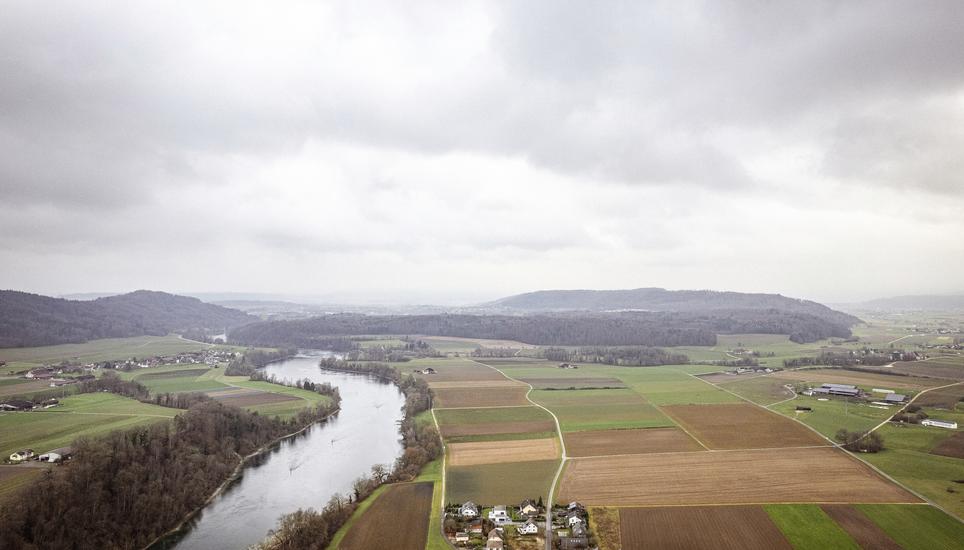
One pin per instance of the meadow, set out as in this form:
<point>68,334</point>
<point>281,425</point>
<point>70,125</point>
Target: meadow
<point>600,409</point>
<point>110,349</point>
<point>500,483</point>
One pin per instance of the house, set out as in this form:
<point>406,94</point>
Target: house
<point>846,390</point>
<point>895,398</point>
<point>20,456</point>
<point>528,528</point>
<point>939,423</point>
<point>428,370</point>
<point>40,373</point>
<point>16,405</point>
<point>469,510</point>
<point>575,507</point>
<point>495,541</point>
<point>573,543</point>
<point>499,515</point>
<point>461,536</point>
<point>573,519</point>
<point>50,457</point>
<point>528,508</point>
<point>475,527</point>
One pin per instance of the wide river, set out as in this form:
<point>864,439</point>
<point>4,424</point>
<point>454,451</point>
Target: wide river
<point>304,471</point>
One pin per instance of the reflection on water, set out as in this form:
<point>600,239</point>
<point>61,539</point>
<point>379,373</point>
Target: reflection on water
<point>304,471</point>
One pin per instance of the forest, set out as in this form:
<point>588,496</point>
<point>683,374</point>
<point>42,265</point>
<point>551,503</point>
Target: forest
<point>34,320</point>
<point>632,356</point>
<point>561,329</point>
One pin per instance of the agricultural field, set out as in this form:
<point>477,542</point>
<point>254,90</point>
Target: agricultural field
<point>808,527</point>
<point>21,386</point>
<point>500,483</point>
<point>497,452</point>
<point>727,527</point>
<point>949,367</point>
<point>453,344</point>
<point>496,423</point>
<point>14,478</point>
<point>477,395</point>
<point>98,350</point>
<point>916,527</point>
<point>397,518</point>
<point>574,383</point>
<point>944,398</point>
<point>629,441</point>
<point>763,390</point>
<point>600,409</point>
<point>740,426</point>
<point>669,386</point>
<point>731,477</point>
<point>176,379</point>
<point>604,522</point>
<point>866,380</point>
<point>84,415</point>
<point>451,370</point>
<point>835,413</point>
<point>275,399</point>
<point>861,529</point>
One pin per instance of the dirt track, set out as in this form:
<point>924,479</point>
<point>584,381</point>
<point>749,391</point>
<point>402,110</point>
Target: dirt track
<point>821,475</point>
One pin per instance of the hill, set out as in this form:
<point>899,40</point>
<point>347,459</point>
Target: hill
<point>660,299</point>
<point>925,302</point>
<point>35,320</point>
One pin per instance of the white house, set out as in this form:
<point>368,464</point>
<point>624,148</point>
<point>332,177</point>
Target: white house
<point>499,515</point>
<point>528,508</point>
<point>20,456</point>
<point>528,528</point>
<point>469,510</point>
<point>939,423</point>
<point>50,457</point>
<point>574,519</point>
<point>461,536</point>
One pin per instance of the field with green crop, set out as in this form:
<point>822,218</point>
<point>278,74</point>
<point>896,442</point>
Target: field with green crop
<point>500,483</point>
<point>84,415</point>
<point>600,409</point>
<point>807,527</point>
<point>176,379</point>
<point>829,416</point>
<point>762,390</point>
<point>101,350</point>
<point>668,386</point>
<point>916,527</point>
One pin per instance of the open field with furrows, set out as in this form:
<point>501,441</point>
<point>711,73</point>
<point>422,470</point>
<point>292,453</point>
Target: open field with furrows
<point>952,446</point>
<point>14,478</point>
<point>629,441</point>
<point>451,370</point>
<point>868,380</point>
<point>808,527</point>
<point>948,367</point>
<point>500,483</point>
<point>102,350</point>
<point>835,413</point>
<point>822,475</point>
<point>864,532</point>
<point>575,383</point>
<point>944,398</point>
<point>740,426</point>
<point>498,452</point>
<point>600,409</point>
<point>669,386</point>
<point>21,386</point>
<point>84,415</point>
<point>398,518</point>
<point>252,398</point>
<point>493,424</point>
<point>188,378</point>
<point>685,527</point>
<point>764,390</point>
<point>480,396</point>
<point>292,401</point>
<point>916,527</point>
<point>724,377</point>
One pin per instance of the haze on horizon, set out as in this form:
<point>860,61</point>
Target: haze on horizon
<point>467,151</point>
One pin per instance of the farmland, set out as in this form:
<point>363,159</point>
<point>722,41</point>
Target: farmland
<point>481,396</point>
<point>496,423</point>
<point>859,527</point>
<point>98,350</point>
<point>731,477</point>
<point>808,527</point>
<point>734,527</point>
<point>916,527</point>
<point>497,452</point>
<point>495,483</point>
<point>600,409</point>
<point>740,426</point>
<point>398,518</point>
<point>629,441</point>
<point>830,415</point>
<point>763,390</point>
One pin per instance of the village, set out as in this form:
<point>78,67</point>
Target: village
<point>519,527</point>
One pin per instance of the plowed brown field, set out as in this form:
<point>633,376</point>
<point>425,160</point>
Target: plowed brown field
<point>822,475</point>
<point>865,532</point>
<point>620,442</point>
<point>496,452</point>
<point>741,426</point>
<point>476,396</point>
<point>572,382</point>
<point>397,519</point>
<point>491,428</point>
<point>952,446</point>
<point>684,528</point>
<point>840,376</point>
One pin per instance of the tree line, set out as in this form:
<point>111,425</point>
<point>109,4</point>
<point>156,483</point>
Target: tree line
<point>253,359</point>
<point>631,356</point>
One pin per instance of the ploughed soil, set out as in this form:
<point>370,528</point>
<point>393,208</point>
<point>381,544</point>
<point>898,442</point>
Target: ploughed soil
<point>865,532</point>
<point>397,519</point>
<point>821,475</point>
<point>490,428</point>
<point>693,527</point>
<point>946,398</point>
<point>574,382</point>
<point>634,441</point>
<point>479,396</point>
<point>741,426</point>
<point>953,446</point>
<point>495,452</point>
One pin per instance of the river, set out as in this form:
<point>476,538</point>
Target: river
<point>306,470</point>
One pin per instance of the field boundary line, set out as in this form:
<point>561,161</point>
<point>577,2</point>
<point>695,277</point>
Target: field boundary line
<point>680,426</point>
<point>663,453</point>
<point>786,387</point>
<point>562,460</point>
<point>442,493</point>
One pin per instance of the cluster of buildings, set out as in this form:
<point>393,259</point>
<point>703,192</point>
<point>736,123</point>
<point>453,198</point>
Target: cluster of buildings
<point>495,529</point>
<point>56,455</point>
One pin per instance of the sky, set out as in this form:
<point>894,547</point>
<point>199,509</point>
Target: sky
<point>448,152</point>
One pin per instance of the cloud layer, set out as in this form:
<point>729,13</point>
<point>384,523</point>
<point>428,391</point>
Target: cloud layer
<point>467,150</point>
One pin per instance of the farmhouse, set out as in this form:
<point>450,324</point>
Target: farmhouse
<point>469,510</point>
<point>499,515</point>
<point>40,373</point>
<point>528,508</point>
<point>895,398</point>
<point>20,456</point>
<point>573,518</point>
<point>428,370</point>
<point>16,405</point>
<point>528,528</point>
<point>56,455</point>
<point>939,423</point>
<point>846,390</point>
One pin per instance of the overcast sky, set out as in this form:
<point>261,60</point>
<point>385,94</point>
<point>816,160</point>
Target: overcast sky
<point>459,151</point>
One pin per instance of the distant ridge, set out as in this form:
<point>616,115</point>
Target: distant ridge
<point>923,302</point>
<point>660,299</point>
<point>35,320</point>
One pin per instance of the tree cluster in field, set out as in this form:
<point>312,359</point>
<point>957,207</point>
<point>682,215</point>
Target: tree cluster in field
<point>494,352</point>
<point>411,349</point>
<point>129,487</point>
<point>839,359</point>
<point>34,320</point>
<point>562,329</point>
<point>253,359</point>
<point>631,356</point>
<point>741,362</point>
<point>323,388</point>
<point>313,530</point>
<point>860,442</point>
<point>913,414</point>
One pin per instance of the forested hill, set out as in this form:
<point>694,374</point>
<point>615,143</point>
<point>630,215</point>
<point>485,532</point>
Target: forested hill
<point>34,320</point>
<point>659,299</point>
<point>912,303</point>
<point>575,329</point>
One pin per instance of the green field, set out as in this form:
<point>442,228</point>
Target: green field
<point>177,378</point>
<point>916,527</point>
<point>829,416</point>
<point>85,415</point>
<point>807,527</point>
<point>668,386</point>
<point>600,409</point>
<point>762,390</point>
<point>100,350</point>
<point>491,484</point>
